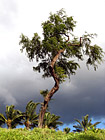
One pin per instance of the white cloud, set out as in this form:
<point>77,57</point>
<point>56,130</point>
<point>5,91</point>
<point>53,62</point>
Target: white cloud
<point>8,13</point>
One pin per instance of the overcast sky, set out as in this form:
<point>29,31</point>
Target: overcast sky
<point>84,93</point>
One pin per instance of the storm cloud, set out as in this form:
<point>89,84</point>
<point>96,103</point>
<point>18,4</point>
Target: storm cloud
<point>83,94</point>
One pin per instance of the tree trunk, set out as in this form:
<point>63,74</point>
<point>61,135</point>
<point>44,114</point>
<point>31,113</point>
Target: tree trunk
<point>51,92</point>
<point>27,124</point>
<point>9,124</point>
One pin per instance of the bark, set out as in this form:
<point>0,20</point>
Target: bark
<point>27,124</point>
<point>9,124</point>
<point>51,92</point>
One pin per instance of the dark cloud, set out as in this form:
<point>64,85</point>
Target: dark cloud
<point>83,94</point>
<point>87,97</point>
<point>19,83</point>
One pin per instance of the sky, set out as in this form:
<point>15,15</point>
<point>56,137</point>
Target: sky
<point>84,93</point>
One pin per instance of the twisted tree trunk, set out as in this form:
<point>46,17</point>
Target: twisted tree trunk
<point>56,86</point>
<point>51,92</point>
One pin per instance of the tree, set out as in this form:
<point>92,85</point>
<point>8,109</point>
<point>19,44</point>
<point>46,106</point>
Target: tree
<point>31,118</point>
<point>66,130</point>
<point>84,124</point>
<point>51,121</point>
<point>13,117</point>
<point>54,53</point>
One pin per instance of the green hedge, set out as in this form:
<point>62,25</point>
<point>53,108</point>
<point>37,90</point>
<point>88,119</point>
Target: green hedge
<point>48,134</point>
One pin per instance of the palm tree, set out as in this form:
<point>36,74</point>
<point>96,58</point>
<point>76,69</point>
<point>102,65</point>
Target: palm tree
<point>31,118</point>
<point>84,124</point>
<point>13,117</point>
<point>51,121</point>
<point>66,130</point>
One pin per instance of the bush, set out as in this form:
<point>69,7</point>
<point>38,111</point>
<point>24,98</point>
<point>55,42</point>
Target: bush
<point>49,134</point>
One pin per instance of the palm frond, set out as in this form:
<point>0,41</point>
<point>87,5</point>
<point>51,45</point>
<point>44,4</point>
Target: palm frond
<point>94,125</point>
<point>9,111</point>
<point>2,119</point>
<point>78,121</point>
<point>85,123</point>
<point>30,114</point>
<point>51,120</point>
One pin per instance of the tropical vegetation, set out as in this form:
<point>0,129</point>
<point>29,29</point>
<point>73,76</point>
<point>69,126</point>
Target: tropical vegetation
<point>66,130</point>
<point>50,131</point>
<point>84,124</point>
<point>31,118</point>
<point>49,134</point>
<point>51,121</point>
<point>13,117</point>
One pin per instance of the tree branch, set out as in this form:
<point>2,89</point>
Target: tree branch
<point>51,67</point>
<point>69,39</point>
<point>80,43</point>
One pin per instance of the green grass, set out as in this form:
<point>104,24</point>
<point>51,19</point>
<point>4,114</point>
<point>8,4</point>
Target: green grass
<point>48,134</point>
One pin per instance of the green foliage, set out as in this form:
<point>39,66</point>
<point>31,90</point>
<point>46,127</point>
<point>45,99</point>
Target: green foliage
<point>58,35</point>
<point>44,92</point>
<point>13,117</point>
<point>48,134</point>
<point>2,119</point>
<point>51,120</point>
<point>60,72</point>
<point>66,130</point>
<point>84,124</point>
<point>31,118</point>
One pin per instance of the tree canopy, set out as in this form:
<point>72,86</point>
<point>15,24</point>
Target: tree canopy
<point>56,32</point>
